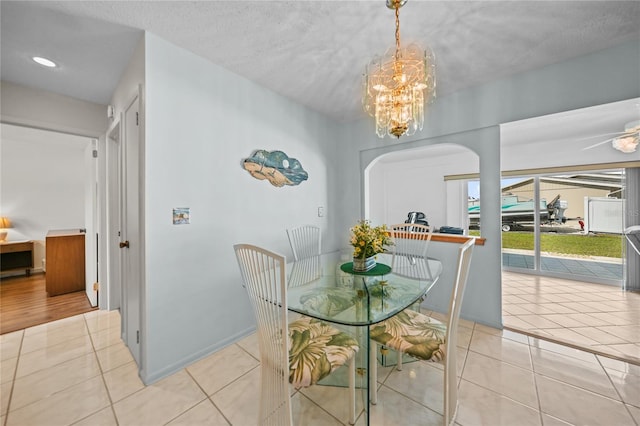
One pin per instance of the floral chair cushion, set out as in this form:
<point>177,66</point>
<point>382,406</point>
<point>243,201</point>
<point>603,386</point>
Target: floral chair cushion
<point>412,333</point>
<point>316,349</point>
<point>328,301</point>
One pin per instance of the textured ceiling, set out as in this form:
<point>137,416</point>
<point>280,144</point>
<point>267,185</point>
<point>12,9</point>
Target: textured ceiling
<point>310,51</point>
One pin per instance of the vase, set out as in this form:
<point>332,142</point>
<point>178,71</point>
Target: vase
<point>343,278</point>
<point>363,264</point>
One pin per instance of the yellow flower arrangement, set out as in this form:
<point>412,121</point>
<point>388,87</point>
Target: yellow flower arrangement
<point>368,241</point>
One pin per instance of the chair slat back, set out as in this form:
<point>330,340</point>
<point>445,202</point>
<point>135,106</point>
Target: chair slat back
<point>462,272</point>
<point>409,252</point>
<point>305,241</point>
<point>264,277</point>
<point>305,271</point>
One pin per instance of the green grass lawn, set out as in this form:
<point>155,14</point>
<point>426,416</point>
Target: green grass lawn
<point>582,245</point>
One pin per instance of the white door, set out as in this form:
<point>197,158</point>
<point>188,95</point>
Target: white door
<point>91,222</point>
<point>131,242</point>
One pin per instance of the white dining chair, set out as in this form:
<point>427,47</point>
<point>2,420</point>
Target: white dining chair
<point>426,338</point>
<point>409,255</point>
<point>306,244</point>
<point>409,250</point>
<point>305,241</point>
<point>311,352</point>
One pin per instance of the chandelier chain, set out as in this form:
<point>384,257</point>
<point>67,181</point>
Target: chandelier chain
<point>397,30</point>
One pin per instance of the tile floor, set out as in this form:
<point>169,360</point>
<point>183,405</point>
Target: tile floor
<point>600,318</point>
<point>78,371</point>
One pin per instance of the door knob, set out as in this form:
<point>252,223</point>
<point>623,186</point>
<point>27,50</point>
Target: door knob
<point>124,244</point>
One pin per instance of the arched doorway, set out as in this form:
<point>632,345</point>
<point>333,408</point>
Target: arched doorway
<point>419,179</point>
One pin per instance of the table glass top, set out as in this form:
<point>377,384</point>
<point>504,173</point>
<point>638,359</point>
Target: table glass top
<point>353,299</point>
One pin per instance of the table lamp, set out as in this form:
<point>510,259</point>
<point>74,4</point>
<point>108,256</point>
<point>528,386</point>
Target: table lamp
<point>5,223</point>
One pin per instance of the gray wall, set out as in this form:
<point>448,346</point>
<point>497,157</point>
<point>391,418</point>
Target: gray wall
<point>482,302</point>
<point>606,76</point>
<point>38,108</point>
<point>201,122</point>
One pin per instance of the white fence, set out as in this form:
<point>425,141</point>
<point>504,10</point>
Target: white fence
<point>603,215</point>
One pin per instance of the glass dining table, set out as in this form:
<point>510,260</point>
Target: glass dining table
<point>353,301</point>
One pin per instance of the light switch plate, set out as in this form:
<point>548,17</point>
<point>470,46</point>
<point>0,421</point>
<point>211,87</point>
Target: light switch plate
<point>320,211</point>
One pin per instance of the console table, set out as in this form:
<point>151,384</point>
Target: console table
<point>16,255</point>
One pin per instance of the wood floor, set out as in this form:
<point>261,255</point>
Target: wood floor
<point>24,303</point>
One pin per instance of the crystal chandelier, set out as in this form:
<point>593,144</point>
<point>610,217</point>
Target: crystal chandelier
<point>397,85</point>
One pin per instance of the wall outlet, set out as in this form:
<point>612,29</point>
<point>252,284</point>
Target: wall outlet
<point>320,211</point>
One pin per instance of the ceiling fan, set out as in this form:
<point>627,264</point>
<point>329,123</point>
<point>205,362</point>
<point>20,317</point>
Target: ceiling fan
<point>626,141</point>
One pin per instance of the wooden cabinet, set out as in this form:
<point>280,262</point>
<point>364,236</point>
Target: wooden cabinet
<point>16,255</point>
<point>65,261</point>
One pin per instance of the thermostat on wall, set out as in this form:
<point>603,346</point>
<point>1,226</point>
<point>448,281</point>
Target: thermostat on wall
<point>181,216</point>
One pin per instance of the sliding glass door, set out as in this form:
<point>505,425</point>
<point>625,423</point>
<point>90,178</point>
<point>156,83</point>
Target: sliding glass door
<point>590,244</point>
<point>566,225</point>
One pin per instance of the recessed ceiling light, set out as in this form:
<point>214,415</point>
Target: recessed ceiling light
<point>44,62</point>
